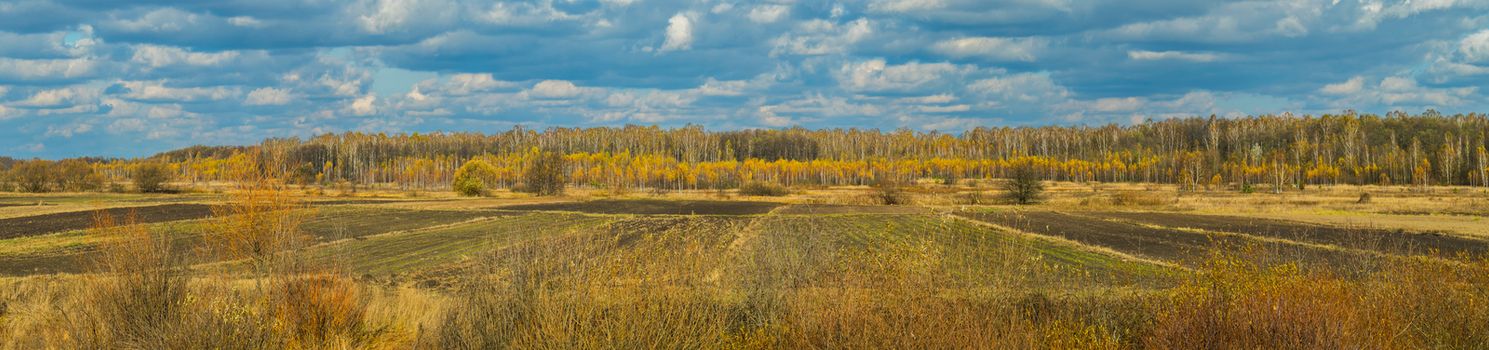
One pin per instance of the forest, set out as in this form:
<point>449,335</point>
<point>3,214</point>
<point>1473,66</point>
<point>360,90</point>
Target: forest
<point>1256,153</point>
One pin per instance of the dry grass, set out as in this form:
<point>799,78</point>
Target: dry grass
<point>770,281</point>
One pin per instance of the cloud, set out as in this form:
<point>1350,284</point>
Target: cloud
<point>1002,49</point>
<point>1144,55</point>
<point>59,70</point>
<point>267,96</point>
<point>821,37</point>
<point>1351,86</point>
<point>157,91</point>
<point>363,106</point>
<point>769,13</point>
<point>156,56</point>
<point>60,98</point>
<point>1475,47</point>
<point>555,89</point>
<point>875,75</point>
<point>679,34</point>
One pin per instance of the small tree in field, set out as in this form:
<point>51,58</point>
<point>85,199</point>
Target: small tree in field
<point>151,177</point>
<point>545,175</point>
<point>473,178</point>
<point>1025,185</point>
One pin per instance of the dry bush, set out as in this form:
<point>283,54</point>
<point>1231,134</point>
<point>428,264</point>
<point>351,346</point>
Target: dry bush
<point>758,188</point>
<point>1234,302</point>
<point>146,298</point>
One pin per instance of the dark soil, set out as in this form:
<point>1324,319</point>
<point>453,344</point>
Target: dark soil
<point>61,222</point>
<point>654,207</point>
<point>355,224</point>
<point>1389,241</point>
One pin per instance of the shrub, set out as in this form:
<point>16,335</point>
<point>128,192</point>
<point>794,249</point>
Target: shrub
<point>1024,185</point>
<point>473,178</point>
<point>31,176</point>
<point>151,177</point>
<point>757,188</point>
<point>889,193</point>
<point>545,175</point>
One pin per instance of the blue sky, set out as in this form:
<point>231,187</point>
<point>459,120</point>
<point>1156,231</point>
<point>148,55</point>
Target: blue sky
<point>130,78</point>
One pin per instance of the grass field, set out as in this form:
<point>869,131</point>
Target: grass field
<point>1113,267</point>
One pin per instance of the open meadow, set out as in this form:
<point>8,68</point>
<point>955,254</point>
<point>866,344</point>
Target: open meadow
<point>1092,266</point>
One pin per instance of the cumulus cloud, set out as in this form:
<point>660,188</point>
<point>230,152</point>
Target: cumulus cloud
<point>362,106</point>
<point>769,13</point>
<point>48,70</point>
<point>1475,47</point>
<point>267,96</point>
<point>1351,86</point>
<point>822,37</point>
<point>679,35</point>
<point>156,56</point>
<point>157,91</point>
<point>555,89</point>
<point>876,75</point>
<point>1005,49</point>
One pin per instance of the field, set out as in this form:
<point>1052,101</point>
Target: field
<point>1102,268</point>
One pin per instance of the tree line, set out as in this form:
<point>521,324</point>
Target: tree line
<point>1272,151</point>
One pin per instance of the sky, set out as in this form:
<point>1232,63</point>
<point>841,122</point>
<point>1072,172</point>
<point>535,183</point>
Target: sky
<point>132,78</point>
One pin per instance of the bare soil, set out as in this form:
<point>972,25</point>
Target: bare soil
<point>1390,241</point>
<point>653,207</point>
<point>360,223</point>
<point>77,220</point>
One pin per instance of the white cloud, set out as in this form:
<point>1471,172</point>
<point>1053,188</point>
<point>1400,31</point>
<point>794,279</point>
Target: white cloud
<point>1116,104</point>
<point>679,34</point>
<point>1021,49</point>
<point>945,109</point>
<point>245,21</point>
<point>39,70</point>
<point>1396,91</point>
<point>931,99</point>
<point>769,13</point>
<point>906,5</point>
<point>267,96</point>
<point>365,105</point>
<point>1023,87</point>
<point>1351,86</point>
<point>157,91</point>
<point>555,89</point>
<point>7,112</point>
<point>820,37</point>
<point>713,87</point>
<point>1144,55</point>
<point>387,15</point>
<point>156,56</point>
<point>768,117</point>
<point>876,75</point>
<point>60,98</point>
<point>1475,47</point>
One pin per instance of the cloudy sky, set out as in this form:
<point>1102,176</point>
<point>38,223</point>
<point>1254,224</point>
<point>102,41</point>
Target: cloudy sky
<point>130,78</point>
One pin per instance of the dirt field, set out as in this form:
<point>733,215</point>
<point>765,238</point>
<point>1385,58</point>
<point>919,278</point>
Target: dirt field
<point>817,209</point>
<point>1183,247</point>
<point>340,223</point>
<point>1391,241</point>
<point>60,222</point>
<point>653,207</point>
